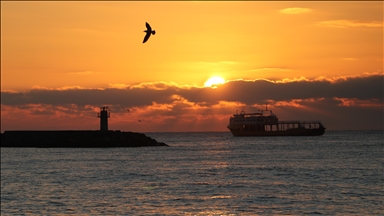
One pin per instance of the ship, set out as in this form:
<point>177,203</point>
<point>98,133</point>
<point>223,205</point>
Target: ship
<point>261,124</point>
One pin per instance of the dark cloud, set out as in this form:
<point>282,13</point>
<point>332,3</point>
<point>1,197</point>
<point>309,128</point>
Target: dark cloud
<point>248,92</point>
<point>259,91</point>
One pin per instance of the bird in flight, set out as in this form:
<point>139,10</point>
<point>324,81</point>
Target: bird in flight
<point>149,32</point>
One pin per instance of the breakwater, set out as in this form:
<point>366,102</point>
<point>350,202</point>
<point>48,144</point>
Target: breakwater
<point>76,139</point>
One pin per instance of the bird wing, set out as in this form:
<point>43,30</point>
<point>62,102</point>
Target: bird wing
<point>148,27</point>
<point>146,37</point>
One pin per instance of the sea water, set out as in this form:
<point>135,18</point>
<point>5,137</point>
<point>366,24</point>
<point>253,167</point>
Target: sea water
<point>339,173</point>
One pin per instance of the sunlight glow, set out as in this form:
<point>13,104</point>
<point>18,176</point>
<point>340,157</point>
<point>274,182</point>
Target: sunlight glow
<point>216,80</point>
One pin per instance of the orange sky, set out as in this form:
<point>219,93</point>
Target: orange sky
<point>97,45</point>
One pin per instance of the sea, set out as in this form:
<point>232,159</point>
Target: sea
<point>208,173</point>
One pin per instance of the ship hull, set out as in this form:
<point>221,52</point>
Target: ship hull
<point>289,132</point>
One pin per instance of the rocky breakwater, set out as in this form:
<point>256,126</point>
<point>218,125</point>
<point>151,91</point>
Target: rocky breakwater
<point>76,139</point>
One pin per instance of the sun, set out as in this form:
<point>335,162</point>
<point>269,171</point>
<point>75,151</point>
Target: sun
<point>213,81</point>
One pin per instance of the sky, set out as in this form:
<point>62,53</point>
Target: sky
<point>62,61</point>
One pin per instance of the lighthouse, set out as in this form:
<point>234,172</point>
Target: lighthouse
<point>104,114</point>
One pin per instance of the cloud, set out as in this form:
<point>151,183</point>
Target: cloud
<point>350,24</point>
<point>244,91</point>
<point>118,86</point>
<point>10,91</point>
<point>37,87</point>
<point>349,59</point>
<point>166,106</point>
<point>356,102</point>
<point>343,78</point>
<point>160,85</point>
<point>295,10</point>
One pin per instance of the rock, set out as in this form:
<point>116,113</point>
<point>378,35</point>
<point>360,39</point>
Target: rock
<point>76,139</point>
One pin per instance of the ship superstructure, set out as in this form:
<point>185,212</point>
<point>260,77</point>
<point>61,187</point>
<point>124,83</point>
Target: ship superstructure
<point>260,124</point>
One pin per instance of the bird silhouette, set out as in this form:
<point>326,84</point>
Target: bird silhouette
<point>149,32</point>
